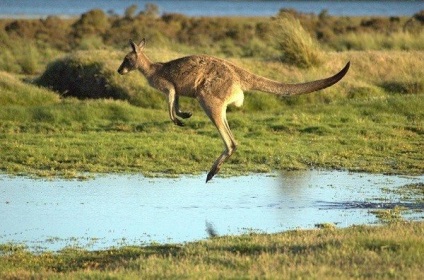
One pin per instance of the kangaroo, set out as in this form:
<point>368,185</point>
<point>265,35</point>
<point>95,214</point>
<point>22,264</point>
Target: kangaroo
<point>215,83</point>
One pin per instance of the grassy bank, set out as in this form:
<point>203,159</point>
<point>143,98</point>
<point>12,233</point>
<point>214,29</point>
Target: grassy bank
<point>371,121</point>
<point>393,251</point>
<point>126,139</point>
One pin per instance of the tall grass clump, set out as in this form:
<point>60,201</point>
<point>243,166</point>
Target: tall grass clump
<point>15,92</point>
<point>19,58</point>
<point>22,56</point>
<point>296,44</point>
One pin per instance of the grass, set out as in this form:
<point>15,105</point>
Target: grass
<point>372,121</point>
<point>392,251</point>
<point>23,56</point>
<point>110,136</point>
<point>377,41</point>
<point>297,46</point>
<point>16,93</point>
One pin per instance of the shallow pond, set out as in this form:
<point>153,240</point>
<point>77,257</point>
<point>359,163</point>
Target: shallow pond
<point>116,210</point>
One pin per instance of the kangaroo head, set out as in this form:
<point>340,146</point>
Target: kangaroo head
<point>131,59</point>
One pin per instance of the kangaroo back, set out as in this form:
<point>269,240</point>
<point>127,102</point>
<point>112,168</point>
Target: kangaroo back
<point>263,84</point>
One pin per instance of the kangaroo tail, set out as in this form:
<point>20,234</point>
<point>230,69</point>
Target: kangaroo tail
<point>267,85</point>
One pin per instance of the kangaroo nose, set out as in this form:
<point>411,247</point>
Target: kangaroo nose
<point>122,71</point>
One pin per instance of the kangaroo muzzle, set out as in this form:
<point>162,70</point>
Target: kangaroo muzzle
<point>122,70</point>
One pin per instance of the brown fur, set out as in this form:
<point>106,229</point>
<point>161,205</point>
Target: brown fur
<point>215,83</point>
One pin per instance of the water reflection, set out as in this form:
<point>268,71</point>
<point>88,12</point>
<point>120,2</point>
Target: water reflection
<point>130,209</point>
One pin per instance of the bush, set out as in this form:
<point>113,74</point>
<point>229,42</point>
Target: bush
<point>93,74</point>
<point>93,22</point>
<point>296,45</point>
<point>419,16</point>
<point>24,28</point>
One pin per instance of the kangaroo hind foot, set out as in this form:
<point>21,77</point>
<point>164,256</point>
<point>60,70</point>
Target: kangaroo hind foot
<point>218,117</point>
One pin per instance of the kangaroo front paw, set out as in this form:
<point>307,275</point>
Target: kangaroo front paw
<point>184,115</point>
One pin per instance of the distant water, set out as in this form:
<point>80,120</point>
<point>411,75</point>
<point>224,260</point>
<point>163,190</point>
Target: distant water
<point>43,8</point>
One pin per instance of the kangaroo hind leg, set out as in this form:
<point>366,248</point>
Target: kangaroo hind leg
<point>217,114</point>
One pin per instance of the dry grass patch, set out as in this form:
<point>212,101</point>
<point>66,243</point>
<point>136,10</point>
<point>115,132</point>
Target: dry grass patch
<point>296,45</point>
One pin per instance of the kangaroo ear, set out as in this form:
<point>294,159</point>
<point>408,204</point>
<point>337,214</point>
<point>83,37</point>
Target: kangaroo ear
<point>134,46</point>
<point>142,44</point>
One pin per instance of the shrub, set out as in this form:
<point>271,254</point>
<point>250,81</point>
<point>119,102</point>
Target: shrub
<point>130,11</point>
<point>151,10</point>
<point>415,24</point>
<point>419,16</point>
<point>93,22</point>
<point>92,74</point>
<point>296,45</point>
<point>24,28</point>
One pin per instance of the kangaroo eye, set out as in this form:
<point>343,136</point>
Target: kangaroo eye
<point>129,61</point>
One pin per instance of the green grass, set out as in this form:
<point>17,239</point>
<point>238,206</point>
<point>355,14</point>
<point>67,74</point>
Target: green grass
<point>371,121</point>
<point>24,56</point>
<point>16,93</point>
<point>111,136</point>
<point>393,251</point>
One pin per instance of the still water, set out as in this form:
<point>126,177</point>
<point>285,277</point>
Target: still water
<point>42,8</point>
<point>115,210</point>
